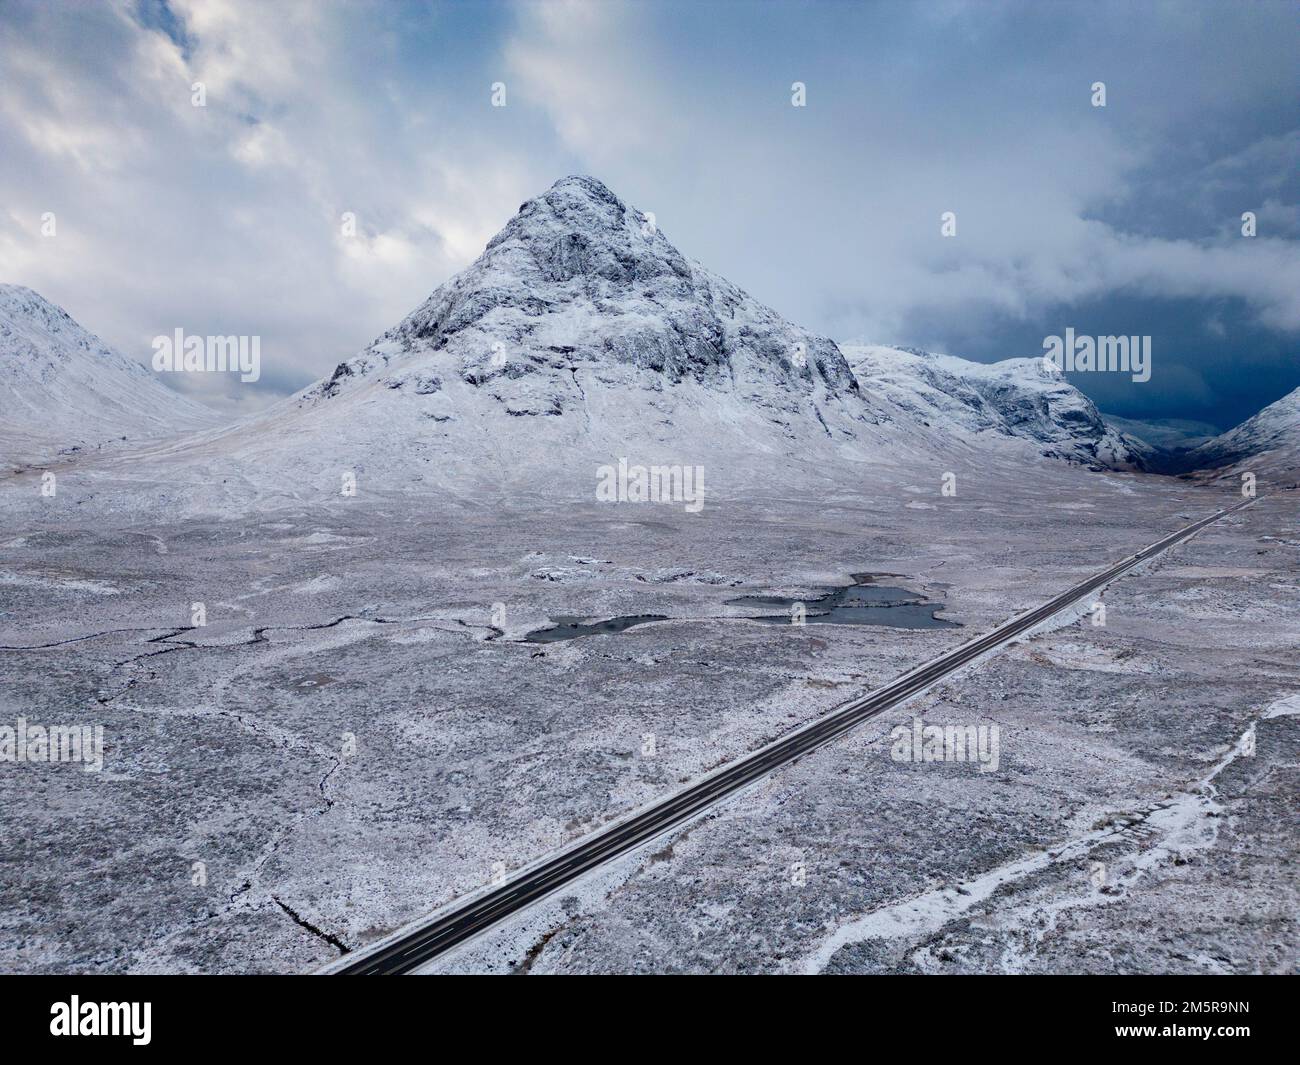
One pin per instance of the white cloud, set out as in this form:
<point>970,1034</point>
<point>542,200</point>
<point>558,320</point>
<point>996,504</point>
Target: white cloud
<point>595,70</point>
<point>225,218</point>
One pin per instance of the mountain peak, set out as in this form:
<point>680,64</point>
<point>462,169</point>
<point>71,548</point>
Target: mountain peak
<point>579,277</point>
<point>583,323</point>
<point>580,187</point>
<point>578,228</point>
<point>580,199</point>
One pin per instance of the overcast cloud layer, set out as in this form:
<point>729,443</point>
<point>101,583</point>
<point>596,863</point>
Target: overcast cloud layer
<point>225,219</point>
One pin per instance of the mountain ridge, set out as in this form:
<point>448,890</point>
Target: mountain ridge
<point>1018,398</point>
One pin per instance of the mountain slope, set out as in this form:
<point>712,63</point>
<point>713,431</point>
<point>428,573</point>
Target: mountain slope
<point>63,389</point>
<point>1270,440</point>
<point>1016,398</point>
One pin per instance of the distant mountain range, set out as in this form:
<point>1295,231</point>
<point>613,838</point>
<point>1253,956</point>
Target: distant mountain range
<point>579,336</point>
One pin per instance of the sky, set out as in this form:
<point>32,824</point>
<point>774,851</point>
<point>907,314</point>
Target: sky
<point>227,218</point>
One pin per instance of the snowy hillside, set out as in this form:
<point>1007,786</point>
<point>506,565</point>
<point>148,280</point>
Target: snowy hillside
<point>63,389</point>
<point>1016,398</point>
<point>1269,440</point>
<point>581,335</point>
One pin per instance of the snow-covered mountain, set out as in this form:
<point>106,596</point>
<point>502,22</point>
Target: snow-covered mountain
<point>62,389</point>
<point>1268,441</point>
<point>1019,398</point>
<point>580,336</point>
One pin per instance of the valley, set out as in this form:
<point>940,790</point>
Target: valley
<point>316,641</point>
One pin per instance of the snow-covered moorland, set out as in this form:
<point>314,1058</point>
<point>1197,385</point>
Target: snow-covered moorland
<point>306,639</point>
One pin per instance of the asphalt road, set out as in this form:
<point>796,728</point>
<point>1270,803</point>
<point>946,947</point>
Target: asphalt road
<point>419,943</point>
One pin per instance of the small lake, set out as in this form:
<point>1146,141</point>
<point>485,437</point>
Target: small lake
<point>861,603</point>
<point>568,628</point>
